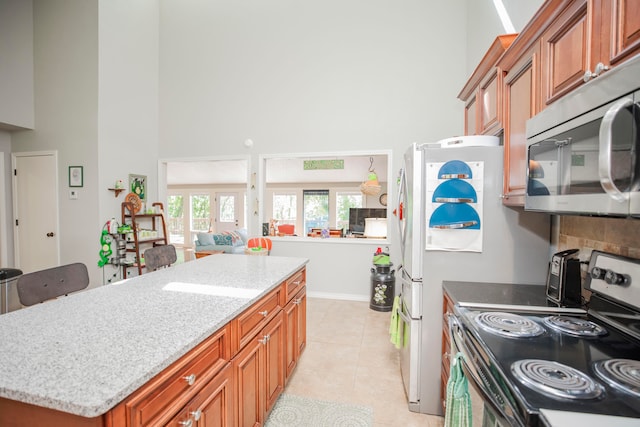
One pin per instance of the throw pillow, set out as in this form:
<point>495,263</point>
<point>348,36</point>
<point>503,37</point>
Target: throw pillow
<point>222,239</point>
<point>206,239</point>
<point>236,238</point>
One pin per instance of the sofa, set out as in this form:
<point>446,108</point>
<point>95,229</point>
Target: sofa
<point>231,242</point>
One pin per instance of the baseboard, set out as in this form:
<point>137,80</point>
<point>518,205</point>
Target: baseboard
<point>331,295</point>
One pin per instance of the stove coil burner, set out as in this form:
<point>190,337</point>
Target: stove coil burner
<point>575,326</point>
<point>622,374</point>
<point>508,324</point>
<point>556,379</point>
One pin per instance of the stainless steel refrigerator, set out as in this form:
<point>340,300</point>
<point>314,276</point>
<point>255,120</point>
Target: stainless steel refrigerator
<point>453,226</point>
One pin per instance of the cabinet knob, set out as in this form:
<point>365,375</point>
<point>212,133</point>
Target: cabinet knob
<point>187,423</point>
<point>190,379</point>
<point>196,414</point>
<point>264,313</point>
<point>600,68</point>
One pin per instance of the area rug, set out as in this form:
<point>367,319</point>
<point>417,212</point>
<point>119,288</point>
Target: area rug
<point>290,411</point>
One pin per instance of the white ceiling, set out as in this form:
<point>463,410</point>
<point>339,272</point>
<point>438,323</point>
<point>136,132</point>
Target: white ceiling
<point>278,170</point>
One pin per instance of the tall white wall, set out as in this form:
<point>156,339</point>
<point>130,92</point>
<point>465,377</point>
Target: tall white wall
<point>128,102</point>
<point>318,76</point>
<point>66,112</point>
<point>16,64</point>
<point>483,24</point>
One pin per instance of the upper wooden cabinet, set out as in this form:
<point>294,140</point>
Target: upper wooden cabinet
<point>586,39</point>
<point>521,102</point>
<point>482,93</point>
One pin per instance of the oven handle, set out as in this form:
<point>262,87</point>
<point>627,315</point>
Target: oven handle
<point>606,149</point>
<point>477,384</point>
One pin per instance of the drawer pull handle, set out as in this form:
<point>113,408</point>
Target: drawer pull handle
<point>297,282</point>
<point>297,301</point>
<point>264,313</point>
<point>196,414</point>
<point>187,423</point>
<point>190,379</point>
<point>265,339</point>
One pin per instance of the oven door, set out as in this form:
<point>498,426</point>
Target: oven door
<point>490,406</point>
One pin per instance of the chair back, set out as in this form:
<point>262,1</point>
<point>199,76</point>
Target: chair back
<point>39,286</point>
<point>260,242</point>
<point>160,256</point>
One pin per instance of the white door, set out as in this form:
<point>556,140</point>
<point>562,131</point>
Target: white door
<point>229,215</point>
<point>35,210</point>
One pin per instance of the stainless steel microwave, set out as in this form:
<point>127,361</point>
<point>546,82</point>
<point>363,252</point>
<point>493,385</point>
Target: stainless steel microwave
<point>583,149</point>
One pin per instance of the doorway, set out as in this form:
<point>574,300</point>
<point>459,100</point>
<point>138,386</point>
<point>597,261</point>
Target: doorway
<point>35,210</point>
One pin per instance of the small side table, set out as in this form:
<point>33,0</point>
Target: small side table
<point>201,254</point>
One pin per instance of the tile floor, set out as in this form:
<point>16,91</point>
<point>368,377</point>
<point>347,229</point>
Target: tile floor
<point>349,359</point>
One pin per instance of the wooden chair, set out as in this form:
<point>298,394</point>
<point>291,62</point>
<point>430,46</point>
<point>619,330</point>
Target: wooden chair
<point>43,285</point>
<point>159,257</point>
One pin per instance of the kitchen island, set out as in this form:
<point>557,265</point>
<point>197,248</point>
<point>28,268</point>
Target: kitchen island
<point>84,354</point>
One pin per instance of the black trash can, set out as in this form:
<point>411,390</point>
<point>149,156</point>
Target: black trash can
<point>383,287</point>
<point>7,275</point>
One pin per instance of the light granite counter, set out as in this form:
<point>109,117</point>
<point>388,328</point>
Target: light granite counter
<point>84,353</point>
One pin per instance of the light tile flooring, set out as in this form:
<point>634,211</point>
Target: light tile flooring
<point>349,359</point>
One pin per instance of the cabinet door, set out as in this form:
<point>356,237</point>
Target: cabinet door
<point>295,315</point>
<point>490,107</point>
<point>274,360</point>
<point>470,119</point>
<point>626,29</point>
<point>521,103</point>
<point>566,46</point>
<point>249,372</point>
<point>212,407</point>
<point>216,408</point>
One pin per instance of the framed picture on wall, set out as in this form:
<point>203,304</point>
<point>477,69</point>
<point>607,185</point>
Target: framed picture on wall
<point>75,176</point>
<point>138,185</point>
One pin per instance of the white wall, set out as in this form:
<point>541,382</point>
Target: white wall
<point>309,76</point>
<point>128,102</point>
<point>66,113</point>
<point>16,63</point>
<point>119,84</point>
<point>483,24</point>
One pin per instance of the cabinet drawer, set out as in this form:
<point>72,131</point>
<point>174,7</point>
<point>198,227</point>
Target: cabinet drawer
<point>247,325</point>
<point>294,283</point>
<point>163,396</point>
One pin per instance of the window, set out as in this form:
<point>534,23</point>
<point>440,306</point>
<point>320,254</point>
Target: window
<point>284,208</point>
<point>344,201</point>
<point>317,190</point>
<point>200,212</point>
<point>176,219</point>
<point>316,209</point>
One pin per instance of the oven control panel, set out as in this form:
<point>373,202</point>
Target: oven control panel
<point>615,276</point>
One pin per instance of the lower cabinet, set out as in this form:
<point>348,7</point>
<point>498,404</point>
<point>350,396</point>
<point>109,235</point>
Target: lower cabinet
<point>259,372</point>
<point>213,407</point>
<point>295,313</point>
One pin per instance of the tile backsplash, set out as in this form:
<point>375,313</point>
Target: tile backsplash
<point>614,235</point>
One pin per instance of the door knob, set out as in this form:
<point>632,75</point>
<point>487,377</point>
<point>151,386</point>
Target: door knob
<point>50,234</point>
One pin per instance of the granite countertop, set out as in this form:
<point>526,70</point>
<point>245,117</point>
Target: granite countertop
<point>500,296</point>
<point>85,353</point>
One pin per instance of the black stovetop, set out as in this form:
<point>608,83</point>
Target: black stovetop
<point>576,352</point>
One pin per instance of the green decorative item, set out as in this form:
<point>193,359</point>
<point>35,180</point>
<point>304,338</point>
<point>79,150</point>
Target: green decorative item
<point>105,248</point>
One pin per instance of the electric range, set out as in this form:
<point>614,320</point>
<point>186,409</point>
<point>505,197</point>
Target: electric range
<point>521,360</point>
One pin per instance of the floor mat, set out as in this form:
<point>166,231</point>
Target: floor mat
<point>298,411</point>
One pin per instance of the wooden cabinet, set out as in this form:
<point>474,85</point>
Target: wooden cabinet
<point>259,372</point>
<point>295,313</point>
<point>447,308</point>
<point>521,102</point>
<point>585,40</point>
<point>566,49</point>
<point>157,402</point>
<point>482,94</point>
<point>213,406</point>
